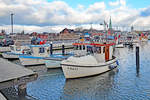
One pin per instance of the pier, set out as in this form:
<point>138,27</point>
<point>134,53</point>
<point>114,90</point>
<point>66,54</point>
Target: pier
<point>15,75</point>
<point>2,97</point>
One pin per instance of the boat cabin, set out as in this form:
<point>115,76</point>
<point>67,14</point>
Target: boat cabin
<point>103,52</point>
<point>19,49</point>
<point>40,50</point>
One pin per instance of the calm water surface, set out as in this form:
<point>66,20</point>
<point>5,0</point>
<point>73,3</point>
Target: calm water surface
<point>123,83</point>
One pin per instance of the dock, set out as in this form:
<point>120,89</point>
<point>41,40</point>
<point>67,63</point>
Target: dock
<point>2,97</point>
<point>15,75</point>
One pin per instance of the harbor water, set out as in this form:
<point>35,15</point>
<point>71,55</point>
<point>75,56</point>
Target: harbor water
<point>122,83</point>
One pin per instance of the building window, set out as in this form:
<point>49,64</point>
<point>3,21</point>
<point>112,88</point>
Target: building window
<point>41,50</point>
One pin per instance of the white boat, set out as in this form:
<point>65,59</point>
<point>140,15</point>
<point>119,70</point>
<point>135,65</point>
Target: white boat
<point>144,39</point>
<point>4,49</point>
<point>99,59</point>
<point>119,46</point>
<point>15,52</point>
<point>54,60</point>
<point>148,37</point>
<point>38,53</point>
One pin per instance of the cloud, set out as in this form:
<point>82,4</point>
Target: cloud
<point>41,15</point>
<point>80,7</point>
<point>116,3</point>
<point>123,2</point>
<point>145,12</point>
<point>98,6</point>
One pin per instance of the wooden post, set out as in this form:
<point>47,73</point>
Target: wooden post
<point>63,49</point>
<point>51,48</point>
<point>22,90</point>
<point>137,59</point>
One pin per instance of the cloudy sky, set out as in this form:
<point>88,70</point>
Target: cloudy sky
<point>54,15</point>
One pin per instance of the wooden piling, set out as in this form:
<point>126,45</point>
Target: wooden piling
<point>137,59</point>
<point>51,48</point>
<point>63,49</point>
<point>22,90</point>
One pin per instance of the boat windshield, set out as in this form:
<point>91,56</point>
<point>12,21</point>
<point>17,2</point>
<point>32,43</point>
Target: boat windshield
<point>18,48</point>
<point>12,48</point>
<point>42,50</point>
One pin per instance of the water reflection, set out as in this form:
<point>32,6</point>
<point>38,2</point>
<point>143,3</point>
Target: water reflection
<point>90,88</point>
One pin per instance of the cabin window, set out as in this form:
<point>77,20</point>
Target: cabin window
<point>41,50</point>
<point>103,49</point>
<point>94,49</point>
<point>77,47</point>
<point>18,48</point>
<point>12,48</point>
<point>89,49</point>
<point>80,47</point>
<point>99,49</point>
<point>83,47</point>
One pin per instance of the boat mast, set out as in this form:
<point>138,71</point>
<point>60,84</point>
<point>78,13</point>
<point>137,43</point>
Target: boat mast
<point>12,23</point>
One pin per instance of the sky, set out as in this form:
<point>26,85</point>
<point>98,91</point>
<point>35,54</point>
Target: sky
<point>54,15</point>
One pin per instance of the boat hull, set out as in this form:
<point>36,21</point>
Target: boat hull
<point>4,49</point>
<point>75,71</point>
<point>144,40</point>
<point>31,61</point>
<point>10,56</point>
<point>52,63</point>
<point>119,46</point>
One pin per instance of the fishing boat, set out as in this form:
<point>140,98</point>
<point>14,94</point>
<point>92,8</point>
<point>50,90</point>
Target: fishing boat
<point>4,49</point>
<point>37,55</point>
<point>16,51</point>
<point>4,45</point>
<point>119,44</point>
<point>143,38</point>
<point>148,37</point>
<point>54,60</point>
<point>98,59</point>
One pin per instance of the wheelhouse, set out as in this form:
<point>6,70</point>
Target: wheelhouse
<point>40,50</point>
<point>18,49</point>
<point>105,51</point>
